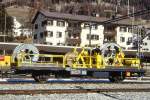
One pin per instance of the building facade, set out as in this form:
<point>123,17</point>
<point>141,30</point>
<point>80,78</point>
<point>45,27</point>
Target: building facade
<point>124,37</point>
<point>146,43</point>
<point>97,35</point>
<point>16,27</point>
<point>19,30</point>
<point>54,28</point>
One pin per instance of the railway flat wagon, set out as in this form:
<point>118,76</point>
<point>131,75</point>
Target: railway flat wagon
<point>107,61</point>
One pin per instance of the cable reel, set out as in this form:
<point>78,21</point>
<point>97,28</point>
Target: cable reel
<point>29,50</point>
<point>109,51</point>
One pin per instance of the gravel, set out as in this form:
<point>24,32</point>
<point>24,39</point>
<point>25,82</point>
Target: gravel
<point>88,96</point>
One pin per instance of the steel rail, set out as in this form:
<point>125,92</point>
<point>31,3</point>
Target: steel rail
<point>70,91</point>
<point>132,82</point>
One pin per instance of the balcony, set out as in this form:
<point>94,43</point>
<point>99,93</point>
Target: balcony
<point>74,29</point>
<point>110,33</point>
<point>73,41</point>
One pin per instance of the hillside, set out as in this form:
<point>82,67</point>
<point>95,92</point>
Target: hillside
<point>21,13</point>
<point>24,10</point>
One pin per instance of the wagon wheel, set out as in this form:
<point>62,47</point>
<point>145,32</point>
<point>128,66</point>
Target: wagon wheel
<point>116,76</point>
<point>42,78</point>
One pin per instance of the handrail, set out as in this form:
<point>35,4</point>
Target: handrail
<point>84,62</point>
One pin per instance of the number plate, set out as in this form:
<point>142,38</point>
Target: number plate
<point>78,72</point>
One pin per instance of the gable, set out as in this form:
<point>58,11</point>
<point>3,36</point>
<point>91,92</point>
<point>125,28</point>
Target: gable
<point>36,16</point>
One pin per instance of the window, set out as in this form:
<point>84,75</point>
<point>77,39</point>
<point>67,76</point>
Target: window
<point>74,36</point>
<point>43,23</point>
<point>94,1</point>
<point>41,35</point>
<point>35,36</point>
<point>130,30</point>
<point>36,26</point>
<point>94,27</point>
<point>50,22</point>
<point>59,34</point>
<point>49,43</point>
<point>88,37</point>
<point>86,26</point>
<point>123,29</point>
<point>122,39</point>
<point>148,38</point>
<point>128,43</point>
<point>50,33</point>
<point>97,37</point>
<point>93,37</point>
<point>60,23</point>
<point>130,39</point>
<point>69,25</point>
<point>145,43</point>
<point>69,35</point>
<point>76,25</point>
<point>59,43</point>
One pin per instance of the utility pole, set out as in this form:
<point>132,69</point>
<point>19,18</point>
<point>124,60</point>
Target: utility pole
<point>5,30</point>
<point>90,28</point>
<point>139,30</point>
<point>133,19</point>
<point>128,7</point>
<point>117,5</point>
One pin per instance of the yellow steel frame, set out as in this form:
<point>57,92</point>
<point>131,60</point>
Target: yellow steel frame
<point>81,61</point>
<point>43,62</point>
<point>5,64</point>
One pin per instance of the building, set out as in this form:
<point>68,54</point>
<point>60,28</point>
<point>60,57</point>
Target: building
<point>146,44</point>
<point>55,28</point>
<point>19,29</point>
<point>146,39</point>
<point>16,27</point>
<point>125,36</point>
<point>97,36</point>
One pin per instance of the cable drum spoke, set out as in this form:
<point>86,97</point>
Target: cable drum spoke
<point>28,49</point>
<point>109,49</point>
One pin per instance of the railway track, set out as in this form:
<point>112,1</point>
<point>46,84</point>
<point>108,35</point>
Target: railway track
<point>70,91</point>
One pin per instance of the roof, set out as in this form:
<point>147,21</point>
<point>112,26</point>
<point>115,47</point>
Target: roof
<point>83,18</point>
<point>58,15</point>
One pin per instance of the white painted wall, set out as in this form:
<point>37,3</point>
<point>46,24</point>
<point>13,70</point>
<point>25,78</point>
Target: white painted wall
<point>17,30</point>
<point>16,27</point>
<point>126,35</point>
<point>27,31</point>
<point>54,40</point>
<point>85,31</point>
<point>54,28</point>
<point>146,44</point>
